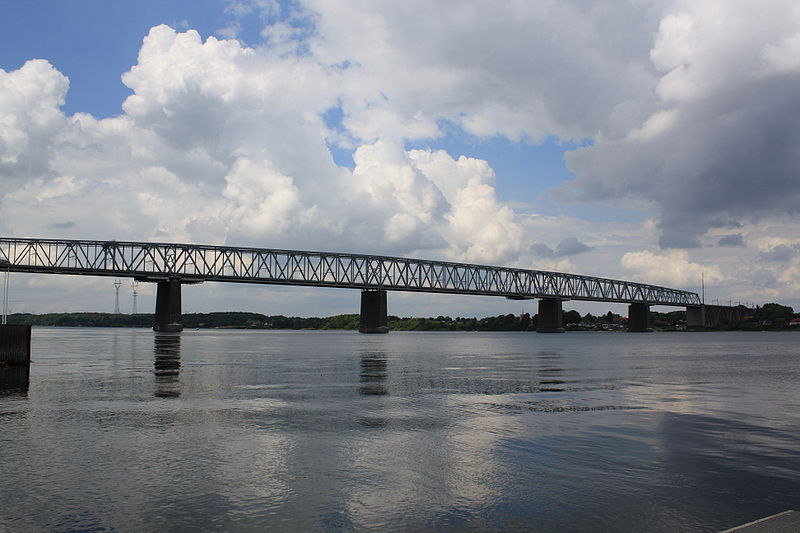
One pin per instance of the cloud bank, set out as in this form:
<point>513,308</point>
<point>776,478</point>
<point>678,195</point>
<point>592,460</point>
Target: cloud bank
<point>684,110</point>
<point>721,146</point>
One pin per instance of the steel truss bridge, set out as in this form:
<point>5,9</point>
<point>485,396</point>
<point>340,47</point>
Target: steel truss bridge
<point>192,263</point>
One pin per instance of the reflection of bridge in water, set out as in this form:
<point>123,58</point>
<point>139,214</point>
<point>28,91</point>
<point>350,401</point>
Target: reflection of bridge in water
<point>171,265</point>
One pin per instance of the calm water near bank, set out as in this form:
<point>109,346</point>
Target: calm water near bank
<point>126,430</point>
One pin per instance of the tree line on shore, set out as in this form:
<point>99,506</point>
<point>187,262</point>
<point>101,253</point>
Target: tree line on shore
<point>770,316</point>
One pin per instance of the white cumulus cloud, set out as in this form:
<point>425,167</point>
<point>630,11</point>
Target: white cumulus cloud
<point>688,107</point>
<point>672,268</point>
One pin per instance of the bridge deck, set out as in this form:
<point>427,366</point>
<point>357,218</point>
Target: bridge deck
<point>193,263</point>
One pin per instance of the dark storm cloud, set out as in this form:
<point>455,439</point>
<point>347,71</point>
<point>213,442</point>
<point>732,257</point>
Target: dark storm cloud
<point>731,240</point>
<point>764,279</point>
<point>542,250</point>
<point>567,246</point>
<point>570,246</point>
<point>63,225</point>
<point>780,252</point>
<point>737,158</point>
<point>724,146</point>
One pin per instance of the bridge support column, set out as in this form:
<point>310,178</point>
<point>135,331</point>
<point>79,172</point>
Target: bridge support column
<point>550,316</point>
<point>15,345</point>
<point>168,306</point>
<point>638,318</point>
<point>374,317</point>
<point>696,318</point>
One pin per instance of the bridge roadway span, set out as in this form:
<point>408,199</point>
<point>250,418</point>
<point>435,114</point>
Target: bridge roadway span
<point>171,265</point>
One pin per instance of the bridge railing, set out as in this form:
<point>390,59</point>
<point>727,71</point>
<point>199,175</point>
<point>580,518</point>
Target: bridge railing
<point>196,263</point>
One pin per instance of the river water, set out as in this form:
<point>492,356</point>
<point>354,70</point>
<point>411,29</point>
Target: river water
<point>225,430</point>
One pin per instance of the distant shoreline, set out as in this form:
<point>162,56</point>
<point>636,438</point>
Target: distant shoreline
<point>573,321</point>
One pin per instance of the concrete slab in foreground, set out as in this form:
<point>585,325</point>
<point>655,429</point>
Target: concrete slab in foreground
<point>785,522</point>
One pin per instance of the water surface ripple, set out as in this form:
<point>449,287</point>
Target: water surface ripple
<point>128,430</point>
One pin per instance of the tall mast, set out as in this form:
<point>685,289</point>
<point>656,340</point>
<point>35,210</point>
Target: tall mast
<point>703,286</point>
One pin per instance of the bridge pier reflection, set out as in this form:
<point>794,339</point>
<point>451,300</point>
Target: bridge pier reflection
<point>550,316</point>
<point>167,365</point>
<point>15,380</point>
<point>373,374</point>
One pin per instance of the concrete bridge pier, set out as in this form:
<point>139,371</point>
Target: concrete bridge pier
<point>168,306</point>
<point>550,316</point>
<point>374,316</point>
<point>696,317</point>
<point>704,316</point>
<point>638,318</point>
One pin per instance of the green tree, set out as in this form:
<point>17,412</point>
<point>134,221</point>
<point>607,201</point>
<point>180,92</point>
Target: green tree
<point>775,314</point>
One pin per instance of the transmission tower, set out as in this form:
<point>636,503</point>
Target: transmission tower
<point>117,285</point>
<point>135,292</point>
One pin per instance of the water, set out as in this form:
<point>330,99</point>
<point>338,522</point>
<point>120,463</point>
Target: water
<point>126,430</point>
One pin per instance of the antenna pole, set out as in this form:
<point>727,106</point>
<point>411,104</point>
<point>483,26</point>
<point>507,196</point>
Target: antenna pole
<point>703,286</point>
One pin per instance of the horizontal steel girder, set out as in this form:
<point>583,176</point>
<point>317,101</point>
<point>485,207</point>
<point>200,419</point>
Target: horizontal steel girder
<point>191,263</point>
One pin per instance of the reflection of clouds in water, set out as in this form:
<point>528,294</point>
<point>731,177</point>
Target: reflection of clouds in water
<point>429,464</point>
<point>459,431</point>
<point>703,374</point>
<point>167,365</point>
<point>430,454</point>
<point>266,457</point>
<point>273,431</point>
<point>727,459</point>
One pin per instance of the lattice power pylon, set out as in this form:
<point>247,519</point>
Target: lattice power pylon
<point>117,285</point>
<point>135,293</point>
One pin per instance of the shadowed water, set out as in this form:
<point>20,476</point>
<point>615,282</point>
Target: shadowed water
<point>334,431</point>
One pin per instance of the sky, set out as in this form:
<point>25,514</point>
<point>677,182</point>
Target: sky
<point>650,141</point>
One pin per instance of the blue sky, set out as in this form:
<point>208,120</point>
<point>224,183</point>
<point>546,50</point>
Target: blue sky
<point>623,141</point>
<point>94,42</point>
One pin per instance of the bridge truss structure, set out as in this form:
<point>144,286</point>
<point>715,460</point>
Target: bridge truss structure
<point>192,263</point>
